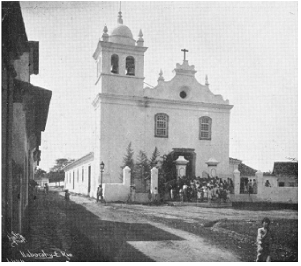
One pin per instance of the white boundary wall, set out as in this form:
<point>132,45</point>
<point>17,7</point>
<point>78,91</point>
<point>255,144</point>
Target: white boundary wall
<point>265,194</point>
<point>118,191</point>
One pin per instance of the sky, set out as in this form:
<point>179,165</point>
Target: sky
<point>247,49</point>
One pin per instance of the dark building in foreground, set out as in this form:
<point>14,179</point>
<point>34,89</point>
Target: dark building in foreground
<point>24,115</point>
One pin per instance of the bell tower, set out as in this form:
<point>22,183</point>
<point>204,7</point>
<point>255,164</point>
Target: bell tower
<point>120,61</point>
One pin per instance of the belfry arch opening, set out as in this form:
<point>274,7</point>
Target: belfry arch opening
<point>115,64</point>
<point>130,66</point>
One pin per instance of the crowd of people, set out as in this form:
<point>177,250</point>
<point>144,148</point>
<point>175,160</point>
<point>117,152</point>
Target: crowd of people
<point>248,186</point>
<point>202,189</point>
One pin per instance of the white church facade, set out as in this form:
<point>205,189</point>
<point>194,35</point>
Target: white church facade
<point>180,116</point>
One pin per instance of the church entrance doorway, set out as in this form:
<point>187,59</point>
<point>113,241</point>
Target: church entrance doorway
<point>189,155</point>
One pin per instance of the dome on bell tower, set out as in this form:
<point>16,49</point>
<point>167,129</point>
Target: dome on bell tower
<point>121,33</point>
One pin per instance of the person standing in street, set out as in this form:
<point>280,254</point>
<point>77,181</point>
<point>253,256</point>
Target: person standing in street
<point>99,193</point>
<point>250,187</point>
<point>156,194</point>
<point>185,188</point>
<point>150,196</point>
<point>209,194</point>
<point>133,193</point>
<point>199,193</point>
<point>172,193</point>
<point>46,188</point>
<point>263,241</point>
<point>67,195</point>
<point>255,187</point>
<point>181,193</point>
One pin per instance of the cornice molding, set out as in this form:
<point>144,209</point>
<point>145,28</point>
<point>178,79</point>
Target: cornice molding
<point>88,157</point>
<point>147,102</point>
<point>110,46</point>
<point>117,76</point>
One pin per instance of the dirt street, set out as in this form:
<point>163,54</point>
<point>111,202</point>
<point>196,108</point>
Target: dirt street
<point>83,230</point>
<point>198,242</point>
<point>191,247</point>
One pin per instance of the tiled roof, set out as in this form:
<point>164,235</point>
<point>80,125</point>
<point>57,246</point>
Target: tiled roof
<point>285,168</point>
<point>242,168</point>
<point>234,161</point>
<point>246,170</point>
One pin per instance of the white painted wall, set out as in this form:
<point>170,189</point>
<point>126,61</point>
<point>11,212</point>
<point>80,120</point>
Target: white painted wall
<point>116,192</point>
<point>270,194</point>
<point>280,194</point>
<point>80,178</point>
<point>135,123</point>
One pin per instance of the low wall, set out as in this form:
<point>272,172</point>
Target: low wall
<point>280,194</point>
<point>116,192</point>
<point>270,194</point>
<point>119,192</point>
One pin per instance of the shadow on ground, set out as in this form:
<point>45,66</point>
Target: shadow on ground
<point>56,227</point>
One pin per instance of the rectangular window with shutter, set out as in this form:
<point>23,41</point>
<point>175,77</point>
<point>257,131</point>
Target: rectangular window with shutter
<point>161,126</point>
<point>205,124</point>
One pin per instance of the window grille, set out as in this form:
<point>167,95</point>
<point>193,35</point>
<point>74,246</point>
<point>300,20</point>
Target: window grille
<point>161,125</point>
<point>205,127</point>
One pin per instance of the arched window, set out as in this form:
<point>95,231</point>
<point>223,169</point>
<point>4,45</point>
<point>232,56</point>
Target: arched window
<point>115,64</point>
<point>161,125</point>
<point>205,127</point>
<point>130,66</point>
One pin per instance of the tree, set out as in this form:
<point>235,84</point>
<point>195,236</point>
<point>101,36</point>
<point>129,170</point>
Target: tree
<point>60,164</point>
<point>167,172</point>
<point>39,173</point>
<point>58,176</point>
<point>142,167</point>
<point>154,158</point>
<point>128,160</point>
<point>56,173</point>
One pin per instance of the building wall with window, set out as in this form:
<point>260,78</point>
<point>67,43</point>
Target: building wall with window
<point>176,114</point>
<point>134,120</point>
<point>78,175</point>
<point>287,181</point>
<point>286,173</point>
<point>179,115</point>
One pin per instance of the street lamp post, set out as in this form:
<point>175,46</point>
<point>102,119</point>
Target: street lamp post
<point>102,167</point>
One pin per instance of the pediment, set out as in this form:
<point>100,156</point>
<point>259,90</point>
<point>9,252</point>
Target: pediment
<point>185,88</point>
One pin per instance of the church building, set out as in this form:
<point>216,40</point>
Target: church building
<point>180,116</point>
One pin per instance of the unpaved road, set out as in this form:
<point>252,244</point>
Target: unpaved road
<point>180,245</point>
<point>186,247</point>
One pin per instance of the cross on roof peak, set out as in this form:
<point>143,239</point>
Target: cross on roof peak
<point>185,51</point>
